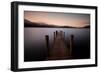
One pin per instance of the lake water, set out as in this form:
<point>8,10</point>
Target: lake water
<point>35,43</point>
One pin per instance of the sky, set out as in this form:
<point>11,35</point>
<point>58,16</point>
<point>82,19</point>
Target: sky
<point>58,18</point>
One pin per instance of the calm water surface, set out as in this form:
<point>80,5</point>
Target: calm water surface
<point>35,43</point>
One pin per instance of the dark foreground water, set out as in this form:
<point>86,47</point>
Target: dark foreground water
<point>35,43</point>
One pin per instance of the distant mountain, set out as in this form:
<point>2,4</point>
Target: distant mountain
<point>28,23</point>
<point>35,24</point>
<point>88,26</point>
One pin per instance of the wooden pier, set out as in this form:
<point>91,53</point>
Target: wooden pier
<point>59,50</point>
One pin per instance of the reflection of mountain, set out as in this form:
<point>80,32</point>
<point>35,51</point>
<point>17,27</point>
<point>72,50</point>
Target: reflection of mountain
<point>28,23</point>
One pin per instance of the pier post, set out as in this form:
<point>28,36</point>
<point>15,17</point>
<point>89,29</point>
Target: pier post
<point>47,43</point>
<point>54,35</point>
<point>64,36</point>
<point>71,44</point>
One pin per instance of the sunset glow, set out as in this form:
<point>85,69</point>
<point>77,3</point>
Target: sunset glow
<point>57,18</point>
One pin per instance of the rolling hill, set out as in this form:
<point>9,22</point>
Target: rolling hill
<point>28,23</point>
